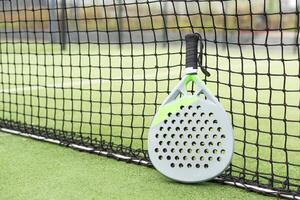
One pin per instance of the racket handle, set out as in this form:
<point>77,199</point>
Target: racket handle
<point>191,53</point>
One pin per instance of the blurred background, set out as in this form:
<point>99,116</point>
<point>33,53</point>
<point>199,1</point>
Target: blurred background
<point>96,20</point>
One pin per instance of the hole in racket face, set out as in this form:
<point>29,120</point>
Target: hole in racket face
<point>190,138</point>
<point>190,88</point>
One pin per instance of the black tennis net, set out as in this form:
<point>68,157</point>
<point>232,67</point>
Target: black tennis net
<point>91,75</point>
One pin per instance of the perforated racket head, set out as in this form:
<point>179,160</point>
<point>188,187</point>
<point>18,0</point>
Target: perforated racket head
<point>191,140</point>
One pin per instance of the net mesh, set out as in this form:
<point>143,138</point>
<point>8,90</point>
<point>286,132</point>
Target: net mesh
<point>93,73</point>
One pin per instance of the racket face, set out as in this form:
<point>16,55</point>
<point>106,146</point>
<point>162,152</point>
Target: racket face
<point>191,140</point>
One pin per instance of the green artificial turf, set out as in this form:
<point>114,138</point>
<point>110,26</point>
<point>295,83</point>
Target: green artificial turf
<point>41,171</point>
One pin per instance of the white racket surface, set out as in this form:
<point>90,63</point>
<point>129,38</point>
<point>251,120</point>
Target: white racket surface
<point>191,138</point>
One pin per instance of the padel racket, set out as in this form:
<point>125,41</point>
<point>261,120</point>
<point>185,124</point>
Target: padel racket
<point>191,138</point>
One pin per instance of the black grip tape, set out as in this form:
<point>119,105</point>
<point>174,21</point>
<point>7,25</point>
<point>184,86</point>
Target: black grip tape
<point>192,50</point>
